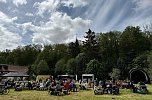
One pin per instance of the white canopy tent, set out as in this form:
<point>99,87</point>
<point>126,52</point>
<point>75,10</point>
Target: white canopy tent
<point>88,76</point>
<point>67,76</point>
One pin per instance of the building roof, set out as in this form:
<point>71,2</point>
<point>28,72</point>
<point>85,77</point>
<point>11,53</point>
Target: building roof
<point>13,68</point>
<point>15,74</point>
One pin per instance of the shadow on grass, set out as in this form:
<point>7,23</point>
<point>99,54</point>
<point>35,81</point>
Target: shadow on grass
<point>149,93</point>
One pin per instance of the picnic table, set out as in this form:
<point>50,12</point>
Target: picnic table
<point>55,91</point>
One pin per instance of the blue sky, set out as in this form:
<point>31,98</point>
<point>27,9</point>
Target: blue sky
<point>25,22</point>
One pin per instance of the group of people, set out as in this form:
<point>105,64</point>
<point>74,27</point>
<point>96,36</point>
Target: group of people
<point>65,86</point>
<point>102,87</point>
<point>48,84</point>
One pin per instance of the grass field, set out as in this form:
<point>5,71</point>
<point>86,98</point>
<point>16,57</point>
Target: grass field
<point>81,95</point>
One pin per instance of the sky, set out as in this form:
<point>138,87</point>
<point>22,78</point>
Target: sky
<point>24,22</point>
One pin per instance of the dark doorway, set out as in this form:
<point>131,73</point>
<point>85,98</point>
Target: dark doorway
<point>139,75</point>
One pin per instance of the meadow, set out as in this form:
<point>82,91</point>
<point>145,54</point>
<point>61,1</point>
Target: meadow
<point>125,94</point>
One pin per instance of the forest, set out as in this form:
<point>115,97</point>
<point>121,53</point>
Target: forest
<point>106,55</point>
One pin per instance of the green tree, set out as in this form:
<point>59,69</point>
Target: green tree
<point>133,43</point>
<point>49,55</point>
<point>90,46</point>
<point>96,68</point>
<point>30,52</point>
<point>61,50</point>
<point>148,32</point>
<point>150,64</point>
<point>60,67</point>
<point>23,55</point>
<point>42,68</point>
<point>140,62</point>
<point>109,43</point>
<point>115,74</point>
<point>74,49</point>
<point>81,64</point>
<point>109,49</point>
<point>72,66</point>
<point>123,67</point>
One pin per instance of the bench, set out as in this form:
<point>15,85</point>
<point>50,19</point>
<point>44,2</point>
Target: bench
<point>57,92</point>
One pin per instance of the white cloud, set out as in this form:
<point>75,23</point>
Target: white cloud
<point>75,3</point>
<point>19,2</point>
<point>48,5</point>
<point>8,40</point>
<point>137,21</point>
<point>4,19</point>
<point>143,4</point>
<point>3,1</point>
<point>108,15</point>
<point>142,15</point>
<point>57,27</point>
<point>60,28</point>
<point>29,14</point>
<point>53,5</point>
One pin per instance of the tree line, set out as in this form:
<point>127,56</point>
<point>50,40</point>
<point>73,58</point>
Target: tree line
<point>101,54</point>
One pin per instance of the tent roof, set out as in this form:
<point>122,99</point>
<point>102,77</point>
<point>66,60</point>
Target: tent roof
<point>87,75</point>
<point>15,74</point>
<point>65,75</point>
<point>139,76</point>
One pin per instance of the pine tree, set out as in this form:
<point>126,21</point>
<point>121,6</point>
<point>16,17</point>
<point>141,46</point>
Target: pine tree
<point>90,46</point>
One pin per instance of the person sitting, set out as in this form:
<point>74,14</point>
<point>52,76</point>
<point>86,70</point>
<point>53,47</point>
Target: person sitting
<point>58,89</point>
<point>83,86</point>
<point>73,87</point>
<point>52,88</point>
<point>37,85</point>
<point>104,86</point>
<point>41,86</point>
<point>89,83</point>
<point>86,85</point>
<point>66,87</point>
<point>48,82</point>
<point>34,85</point>
<point>142,83</point>
<point>18,87</point>
<point>22,85</point>
<point>80,82</point>
<point>6,83</point>
<point>109,88</point>
<point>96,82</point>
<point>100,83</point>
<point>30,87</point>
<point>115,89</point>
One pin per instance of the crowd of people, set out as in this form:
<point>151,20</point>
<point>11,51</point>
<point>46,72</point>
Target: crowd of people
<point>57,86</point>
<point>64,86</point>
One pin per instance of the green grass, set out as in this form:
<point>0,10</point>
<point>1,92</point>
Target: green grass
<point>81,95</point>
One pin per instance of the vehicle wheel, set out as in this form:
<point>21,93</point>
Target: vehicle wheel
<point>5,91</point>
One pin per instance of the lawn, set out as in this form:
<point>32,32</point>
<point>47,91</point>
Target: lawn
<point>81,95</point>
